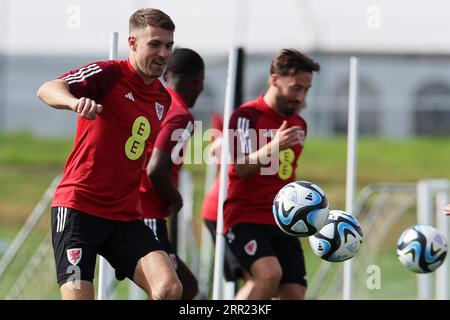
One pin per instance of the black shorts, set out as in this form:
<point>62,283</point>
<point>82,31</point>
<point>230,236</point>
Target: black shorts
<point>159,227</point>
<point>78,237</point>
<point>231,268</point>
<point>251,241</point>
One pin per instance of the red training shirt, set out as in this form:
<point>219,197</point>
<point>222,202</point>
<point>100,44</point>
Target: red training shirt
<point>175,133</point>
<point>103,172</point>
<point>250,199</point>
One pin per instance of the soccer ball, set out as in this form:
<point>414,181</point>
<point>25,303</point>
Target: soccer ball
<point>340,239</point>
<point>300,208</point>
<point>422,248</point>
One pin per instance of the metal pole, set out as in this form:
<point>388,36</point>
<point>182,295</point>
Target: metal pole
<point>224,161</point>
<point>424,216</point>
<point>114,46</point>
<point>352,139</point>
<point>443,225</point>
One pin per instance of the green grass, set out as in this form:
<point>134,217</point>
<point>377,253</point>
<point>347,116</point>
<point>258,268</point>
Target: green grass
<point>381,160</point>
<point>28,164</point>
<point>24,149</point>
<point>395,282</point>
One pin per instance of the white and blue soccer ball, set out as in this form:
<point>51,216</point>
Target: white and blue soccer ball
<point>300,208</point>
<point>422,248</point>
<point>339,239</point>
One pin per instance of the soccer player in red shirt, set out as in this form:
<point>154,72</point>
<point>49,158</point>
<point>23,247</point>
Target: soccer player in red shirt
<point>96,207</point>
<point>268,127</point>
<point>160,198</point>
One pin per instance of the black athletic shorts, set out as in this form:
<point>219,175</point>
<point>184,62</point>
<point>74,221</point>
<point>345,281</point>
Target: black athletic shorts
<point>78,237</point>
<point>159,227</point>
<point>231,268</point>
<point>251,241</point>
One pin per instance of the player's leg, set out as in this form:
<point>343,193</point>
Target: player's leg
<point>81,290</point>
<point>232,269</point>
<point>244,292</point>
<point>75,239</point>
<point>188,281</point>
<point>155,274</point>
<point>266,275</point>
<point>211,226</point>
<point>251,246</point>
<point>187,278</point>
<point>290,255</point>
<point>135,253</point>
<point>291,291</point>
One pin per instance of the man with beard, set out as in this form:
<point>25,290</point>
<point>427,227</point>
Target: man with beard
<point>268,128</point>
<point>96,207</point>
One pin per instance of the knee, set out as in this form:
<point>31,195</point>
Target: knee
<point>175,291</point>
<point>170,290</point>
<point>301,293</point>
<point>270,278</point>
<point>301,296</point>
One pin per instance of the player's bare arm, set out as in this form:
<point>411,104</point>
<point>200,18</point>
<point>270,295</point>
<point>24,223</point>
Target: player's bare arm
<point>56,94</point>
<point>159,172</point>
<point>284,138</point>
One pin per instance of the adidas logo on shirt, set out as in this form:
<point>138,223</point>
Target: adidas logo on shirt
<point>129,95</point>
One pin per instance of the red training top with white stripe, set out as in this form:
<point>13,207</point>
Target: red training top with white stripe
<point>250,199</point>
<point>175,133</point>
<point>103,172</point>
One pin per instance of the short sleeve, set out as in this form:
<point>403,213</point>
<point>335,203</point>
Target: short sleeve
<point>175,133</point>
<point>94,80</point>
<point>243,134</point>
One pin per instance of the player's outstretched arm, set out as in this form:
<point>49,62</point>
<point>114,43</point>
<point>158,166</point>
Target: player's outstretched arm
<point>56,94</point>
<point>447,210</point>
<point>160,174</point>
